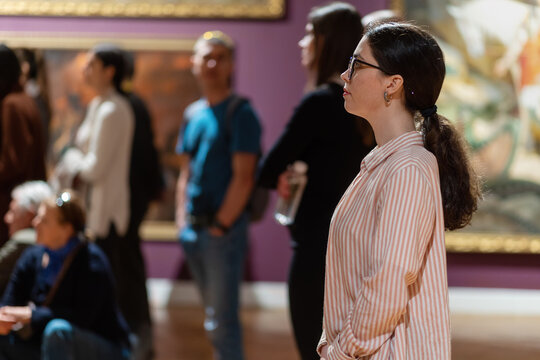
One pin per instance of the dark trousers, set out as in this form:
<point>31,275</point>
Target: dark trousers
<point>127,263</point>
<point>306,298</point>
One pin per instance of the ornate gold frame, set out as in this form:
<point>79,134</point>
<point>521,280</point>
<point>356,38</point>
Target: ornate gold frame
<point>462,241</point>
<point>492,243</point>
<point>455,241</point>
<point>252,9</point>
<point>40,40</point>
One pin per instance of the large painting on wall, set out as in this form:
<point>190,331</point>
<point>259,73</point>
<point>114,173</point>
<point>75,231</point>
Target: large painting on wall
<point>492,93</point>
<point>235,9</point>
<point>162,78</point>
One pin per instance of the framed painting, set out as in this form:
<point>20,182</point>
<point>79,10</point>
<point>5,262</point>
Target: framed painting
<point>492,94</point>
<point>162,78</point>
<point>232,9</point>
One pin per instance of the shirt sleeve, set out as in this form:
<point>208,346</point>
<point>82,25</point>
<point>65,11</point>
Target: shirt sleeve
<point>246,131</point>
<point>322,342</point>
<point>406,222</point>
<point>21,280</point>
<point>299,133</point>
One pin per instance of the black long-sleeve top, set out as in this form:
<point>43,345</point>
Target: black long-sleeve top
<point>85,296</point>
<point>333,143</point>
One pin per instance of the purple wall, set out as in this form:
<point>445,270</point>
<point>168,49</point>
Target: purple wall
<point>268,71</point>
<point>512,271</point>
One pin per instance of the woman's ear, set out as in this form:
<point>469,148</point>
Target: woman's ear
<point>394,85</point>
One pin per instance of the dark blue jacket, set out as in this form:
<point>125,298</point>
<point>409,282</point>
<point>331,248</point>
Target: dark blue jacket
<point>85,296</point>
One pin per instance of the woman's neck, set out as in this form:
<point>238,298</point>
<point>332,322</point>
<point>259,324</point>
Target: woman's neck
<point>390,124</point>
<point>103,91</point>
<point>61,243</point>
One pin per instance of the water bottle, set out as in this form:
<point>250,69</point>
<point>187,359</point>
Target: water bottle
<point>286,208</point>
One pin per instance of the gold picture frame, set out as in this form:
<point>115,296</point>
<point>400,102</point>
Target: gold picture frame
<point>504,227</point>
<point>232,9</point>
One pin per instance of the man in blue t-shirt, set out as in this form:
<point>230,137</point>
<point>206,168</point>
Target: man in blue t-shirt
<point>218,148</point>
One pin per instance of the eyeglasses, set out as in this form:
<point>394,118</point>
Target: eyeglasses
<point>70,210</point>
<point>353,61</point>
<point>63,198</point>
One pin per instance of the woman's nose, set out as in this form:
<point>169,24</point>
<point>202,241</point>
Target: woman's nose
<point>345,76</point>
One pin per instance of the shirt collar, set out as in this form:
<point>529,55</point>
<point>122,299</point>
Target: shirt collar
<point>381,153</point>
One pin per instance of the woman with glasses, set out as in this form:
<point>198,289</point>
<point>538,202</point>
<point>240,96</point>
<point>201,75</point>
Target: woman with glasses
<point>60,303</point>
<point>332,143</point>
<point>386,291</point>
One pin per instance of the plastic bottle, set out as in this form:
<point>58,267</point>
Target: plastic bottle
<point>286,208</point>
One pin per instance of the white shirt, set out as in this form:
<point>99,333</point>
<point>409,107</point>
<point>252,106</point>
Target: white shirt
<point>102,159</point>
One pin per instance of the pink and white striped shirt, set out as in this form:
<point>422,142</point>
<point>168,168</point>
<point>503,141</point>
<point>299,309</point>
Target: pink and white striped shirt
<point>386,290</point>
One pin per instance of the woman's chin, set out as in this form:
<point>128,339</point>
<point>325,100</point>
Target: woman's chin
<point>348,107</point>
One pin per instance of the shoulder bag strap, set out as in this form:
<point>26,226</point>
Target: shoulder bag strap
<point>65,267</point>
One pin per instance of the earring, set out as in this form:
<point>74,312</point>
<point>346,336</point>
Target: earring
<point>387,98</point>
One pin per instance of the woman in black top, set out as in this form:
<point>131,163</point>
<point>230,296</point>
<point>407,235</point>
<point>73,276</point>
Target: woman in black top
<point>333,143</point>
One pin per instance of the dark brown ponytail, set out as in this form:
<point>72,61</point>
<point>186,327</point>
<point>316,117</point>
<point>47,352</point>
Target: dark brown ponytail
<point>460,187</point>
<point>407,50</point>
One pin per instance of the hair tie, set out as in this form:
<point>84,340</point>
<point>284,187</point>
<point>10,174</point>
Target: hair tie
<point>429,111</point>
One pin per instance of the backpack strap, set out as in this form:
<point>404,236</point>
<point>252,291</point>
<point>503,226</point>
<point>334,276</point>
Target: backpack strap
<point>234,104</point>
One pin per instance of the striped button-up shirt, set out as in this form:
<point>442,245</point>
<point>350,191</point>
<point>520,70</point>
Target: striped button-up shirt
<point>386,290</point>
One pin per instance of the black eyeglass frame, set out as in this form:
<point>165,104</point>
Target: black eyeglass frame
<point>353,61</point>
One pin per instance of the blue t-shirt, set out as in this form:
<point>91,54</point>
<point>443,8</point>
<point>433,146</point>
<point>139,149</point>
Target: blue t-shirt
<point>210,145</point>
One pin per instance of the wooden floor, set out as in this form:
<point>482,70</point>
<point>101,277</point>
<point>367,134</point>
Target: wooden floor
<point>267,334</point>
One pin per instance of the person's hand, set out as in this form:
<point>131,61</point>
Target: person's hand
<point>324,352</point>
<point>6,323</point>
<point>180,217</point>
<point>283,186</point>
<point>215,231</point>
<point>21,314</point>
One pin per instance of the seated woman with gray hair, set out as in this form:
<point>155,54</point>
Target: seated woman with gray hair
<point>25,200</point>
<point>60,303</point>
